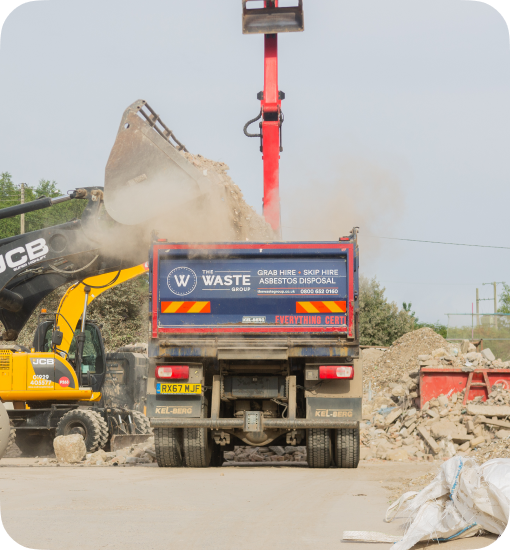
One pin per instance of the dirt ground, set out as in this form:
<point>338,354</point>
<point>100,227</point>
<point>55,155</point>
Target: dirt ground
<point>225,508</point>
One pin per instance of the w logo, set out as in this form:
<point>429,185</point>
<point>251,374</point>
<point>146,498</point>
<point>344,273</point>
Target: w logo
<point>182,281</point>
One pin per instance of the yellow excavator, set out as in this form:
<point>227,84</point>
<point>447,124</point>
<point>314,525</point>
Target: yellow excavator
<point>56,387</point>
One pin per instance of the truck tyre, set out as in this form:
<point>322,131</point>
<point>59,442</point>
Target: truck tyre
<point>85,423</point>
<point>197,445</point>
<point>168,444</point>
<point>318,448</point>
<point>142,423</point>
<point>347,447</point>
<point>29,443</point>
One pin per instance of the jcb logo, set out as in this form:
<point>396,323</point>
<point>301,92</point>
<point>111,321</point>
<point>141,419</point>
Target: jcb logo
<point>43,361</point>
<point>23,255</point>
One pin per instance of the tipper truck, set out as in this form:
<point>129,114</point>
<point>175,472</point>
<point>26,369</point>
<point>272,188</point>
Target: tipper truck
<point>254,344</point>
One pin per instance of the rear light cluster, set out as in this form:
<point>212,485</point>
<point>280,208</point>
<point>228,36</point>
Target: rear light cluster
<point>173,372</point>
<point>343,372</point>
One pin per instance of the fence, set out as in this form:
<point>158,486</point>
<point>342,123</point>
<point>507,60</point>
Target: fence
<point>492,328</point>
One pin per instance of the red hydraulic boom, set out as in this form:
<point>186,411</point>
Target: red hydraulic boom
<point>270,21</point>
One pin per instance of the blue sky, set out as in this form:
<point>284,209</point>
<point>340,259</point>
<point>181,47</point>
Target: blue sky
<point>396,119</point>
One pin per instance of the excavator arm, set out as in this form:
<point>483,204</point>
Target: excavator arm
<point>72,303</point>
<point>34,264</point>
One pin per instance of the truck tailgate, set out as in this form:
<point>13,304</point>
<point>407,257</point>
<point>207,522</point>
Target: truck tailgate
<point>253,288</point>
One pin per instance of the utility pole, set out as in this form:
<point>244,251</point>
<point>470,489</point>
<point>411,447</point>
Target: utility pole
<point>477,308</point>
<point>22,229</point>
<point>494,284</point>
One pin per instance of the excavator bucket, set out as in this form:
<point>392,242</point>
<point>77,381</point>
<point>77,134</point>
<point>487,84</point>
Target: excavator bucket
<point>272,20</point>
<point>147,174</point>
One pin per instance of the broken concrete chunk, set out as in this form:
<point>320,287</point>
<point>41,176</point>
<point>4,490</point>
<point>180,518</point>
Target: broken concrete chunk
<point>503,434</point>
<point>477,441</point>
<point>398,391</point>
<point>464,447</point>
<point>426,437</point>
<point>489,410</point>
<point>440,352</point>
<point>443,400</point>
<point>393,416</point>
<point>69,448</point>
<point>500,423</point>
<point>487,354</point>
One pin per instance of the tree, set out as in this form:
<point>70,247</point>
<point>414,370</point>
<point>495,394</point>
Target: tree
<point>504,299</point>
<point>436,327</point>
<point>381,322</point>
<point>10,195</point>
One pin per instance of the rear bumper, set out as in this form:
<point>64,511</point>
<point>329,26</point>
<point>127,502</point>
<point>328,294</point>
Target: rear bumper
<point>267,423</point>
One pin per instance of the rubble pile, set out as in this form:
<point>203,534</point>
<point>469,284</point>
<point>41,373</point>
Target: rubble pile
<point>69,452</point>
<point>443,428</point>
<point>266,454</point>
<point>394,428</point>
<point>382,367</point>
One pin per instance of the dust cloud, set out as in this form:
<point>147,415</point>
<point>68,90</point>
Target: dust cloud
<point>363,195</point>
<point>221,214</point>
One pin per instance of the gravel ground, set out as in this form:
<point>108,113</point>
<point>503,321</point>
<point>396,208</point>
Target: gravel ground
<point>146,507</point>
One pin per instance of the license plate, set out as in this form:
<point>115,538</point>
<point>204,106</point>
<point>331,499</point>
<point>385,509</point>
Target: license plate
<point>192,389</point>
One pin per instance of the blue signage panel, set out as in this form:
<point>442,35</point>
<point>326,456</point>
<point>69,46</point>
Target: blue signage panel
<point>299,291</point>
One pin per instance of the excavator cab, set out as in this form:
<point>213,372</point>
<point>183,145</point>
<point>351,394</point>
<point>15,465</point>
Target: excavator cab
<point>93,363</point>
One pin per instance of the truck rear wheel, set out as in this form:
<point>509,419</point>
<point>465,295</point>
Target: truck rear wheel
<point>168,444</point>
<point>318,448</point>
<point>197,447</point>
<point>347,447</point>
<point>89,424</point>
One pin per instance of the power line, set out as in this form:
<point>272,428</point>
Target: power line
<point>435,284</point>
<point>438,242</point>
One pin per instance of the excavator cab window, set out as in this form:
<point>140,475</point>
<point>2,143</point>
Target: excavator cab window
<point>93,361</point>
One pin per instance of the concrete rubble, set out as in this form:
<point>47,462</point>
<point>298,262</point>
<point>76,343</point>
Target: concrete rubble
<point>69,448</point>
<point>393,426</point>
<point>266,454</point>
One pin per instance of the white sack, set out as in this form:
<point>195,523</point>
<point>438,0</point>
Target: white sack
<point>462,500</point>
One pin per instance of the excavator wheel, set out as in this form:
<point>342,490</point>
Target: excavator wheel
<point>168,444</point>
<point>142,423</point>
<point>318,448</point>
<point>34,442</point>
<point>12,440</point>
<point>86,423</point>
<point>103,440</point>
<point>5,430</point>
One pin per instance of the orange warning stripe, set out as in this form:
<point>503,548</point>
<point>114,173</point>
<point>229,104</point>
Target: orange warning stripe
<point>320,307</point>
<point>185,307</point>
